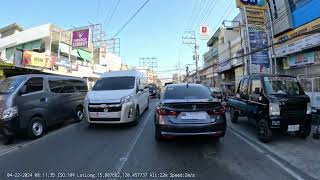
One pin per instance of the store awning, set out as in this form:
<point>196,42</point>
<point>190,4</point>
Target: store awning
<point>76,52</point>
<point>85,55</point>
<point>5,64</point>
<point>64,48</point>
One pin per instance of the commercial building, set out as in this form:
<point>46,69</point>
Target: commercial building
<point>47,49</point>
<point>297,36</point>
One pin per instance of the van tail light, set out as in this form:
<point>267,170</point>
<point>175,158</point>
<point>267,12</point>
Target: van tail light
<point>166,112</point>
<point>218,112</point>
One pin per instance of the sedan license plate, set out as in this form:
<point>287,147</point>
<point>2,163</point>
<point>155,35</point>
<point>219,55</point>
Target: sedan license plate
<point>194,115</point>
<point>293,128</point>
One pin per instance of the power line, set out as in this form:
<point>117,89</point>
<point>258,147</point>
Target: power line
<point>210,11</point>
<point>134,15</point>
<point>114,10</point>
<point>197,13</point>
<point>205,12</point>
<point>192,13</point>
<point>219,22</point>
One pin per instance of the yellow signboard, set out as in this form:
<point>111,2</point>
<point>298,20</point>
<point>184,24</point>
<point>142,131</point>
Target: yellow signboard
<point>255,17</point>
<point>297,34</point>
<point>253,4</point>
<point>35,59</point>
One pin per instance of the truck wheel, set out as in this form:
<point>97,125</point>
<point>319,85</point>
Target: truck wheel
<point>304,131</point>
<point>264,131</point>
<point>234,115</point>
<point>36,128</point>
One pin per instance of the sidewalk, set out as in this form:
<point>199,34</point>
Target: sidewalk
<point>300,153</point>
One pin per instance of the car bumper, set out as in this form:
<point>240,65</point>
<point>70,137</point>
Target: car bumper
<point>212,129</point>
<point>279,122</point>
<point>9,127</point>
<point>112,117</point>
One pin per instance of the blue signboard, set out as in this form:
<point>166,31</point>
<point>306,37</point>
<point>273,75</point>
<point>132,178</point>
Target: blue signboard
<point>260,62</point>
<point>304,11</point>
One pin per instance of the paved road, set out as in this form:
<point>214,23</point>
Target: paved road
<point>130,150</point>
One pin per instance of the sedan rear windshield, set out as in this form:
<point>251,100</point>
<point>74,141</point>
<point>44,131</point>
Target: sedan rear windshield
<point>114,83</point>
<point>187,92</point>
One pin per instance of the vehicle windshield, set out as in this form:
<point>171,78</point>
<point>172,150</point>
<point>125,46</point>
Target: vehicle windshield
<point>187,92</point>
<point>151,88</point>
<point>9,85</point>
<point>282,85</point>
<point>114,83</point>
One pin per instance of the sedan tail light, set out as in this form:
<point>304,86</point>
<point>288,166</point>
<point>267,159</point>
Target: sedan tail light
<point>216,112</point>
<point>166,112</point>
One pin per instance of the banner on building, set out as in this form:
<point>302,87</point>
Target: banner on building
<point>256,17</point>
<point>301,59</point>
<point>63,62</point>
<point>258,39</point>
<point>224,66</point>
<point>80,38</point>
<point>36,59</point>
<point>253,4</point>
<point>298,45</point>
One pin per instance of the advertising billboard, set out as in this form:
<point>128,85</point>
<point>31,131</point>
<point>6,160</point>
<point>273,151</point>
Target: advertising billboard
<point>304,11</point>
<point>301,59</point>
<point>36,59</point>
<point>258,39</point>
<point>80,38</point>
<point>253,4</point>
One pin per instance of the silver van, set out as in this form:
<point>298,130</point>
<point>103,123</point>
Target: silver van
<point>31,103</point>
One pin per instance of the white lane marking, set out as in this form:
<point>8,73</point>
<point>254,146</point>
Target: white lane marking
<point>28,143</point>
<point>124,159</point>
<point>280,164</point>
<point>284,167</point>
<point>247,141</point>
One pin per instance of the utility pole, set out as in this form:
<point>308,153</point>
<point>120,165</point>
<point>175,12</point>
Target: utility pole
<point>190,39</point>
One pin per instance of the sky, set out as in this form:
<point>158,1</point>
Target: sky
<point>156,31</point>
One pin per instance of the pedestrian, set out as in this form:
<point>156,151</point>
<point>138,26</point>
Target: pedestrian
<point>9,137</point>
<point>316,131</point>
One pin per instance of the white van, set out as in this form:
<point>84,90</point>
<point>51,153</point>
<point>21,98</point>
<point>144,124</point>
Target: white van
<point>117,97</point>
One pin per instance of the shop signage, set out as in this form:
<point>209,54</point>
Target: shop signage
<point>255,4</point>
<point>204,32</point>
<point>296,34</point>
<point>301,59</point>
<point>260,62</point>
<point>255,17</point>
<point>298,45</point>
<point>224,66</point>
<point>35,59</point>
<point>80,38</point>
<point>74,66</point>
<point>63,62</point>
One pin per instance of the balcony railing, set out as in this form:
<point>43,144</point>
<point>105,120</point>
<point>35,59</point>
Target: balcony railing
<point>210,54</point>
